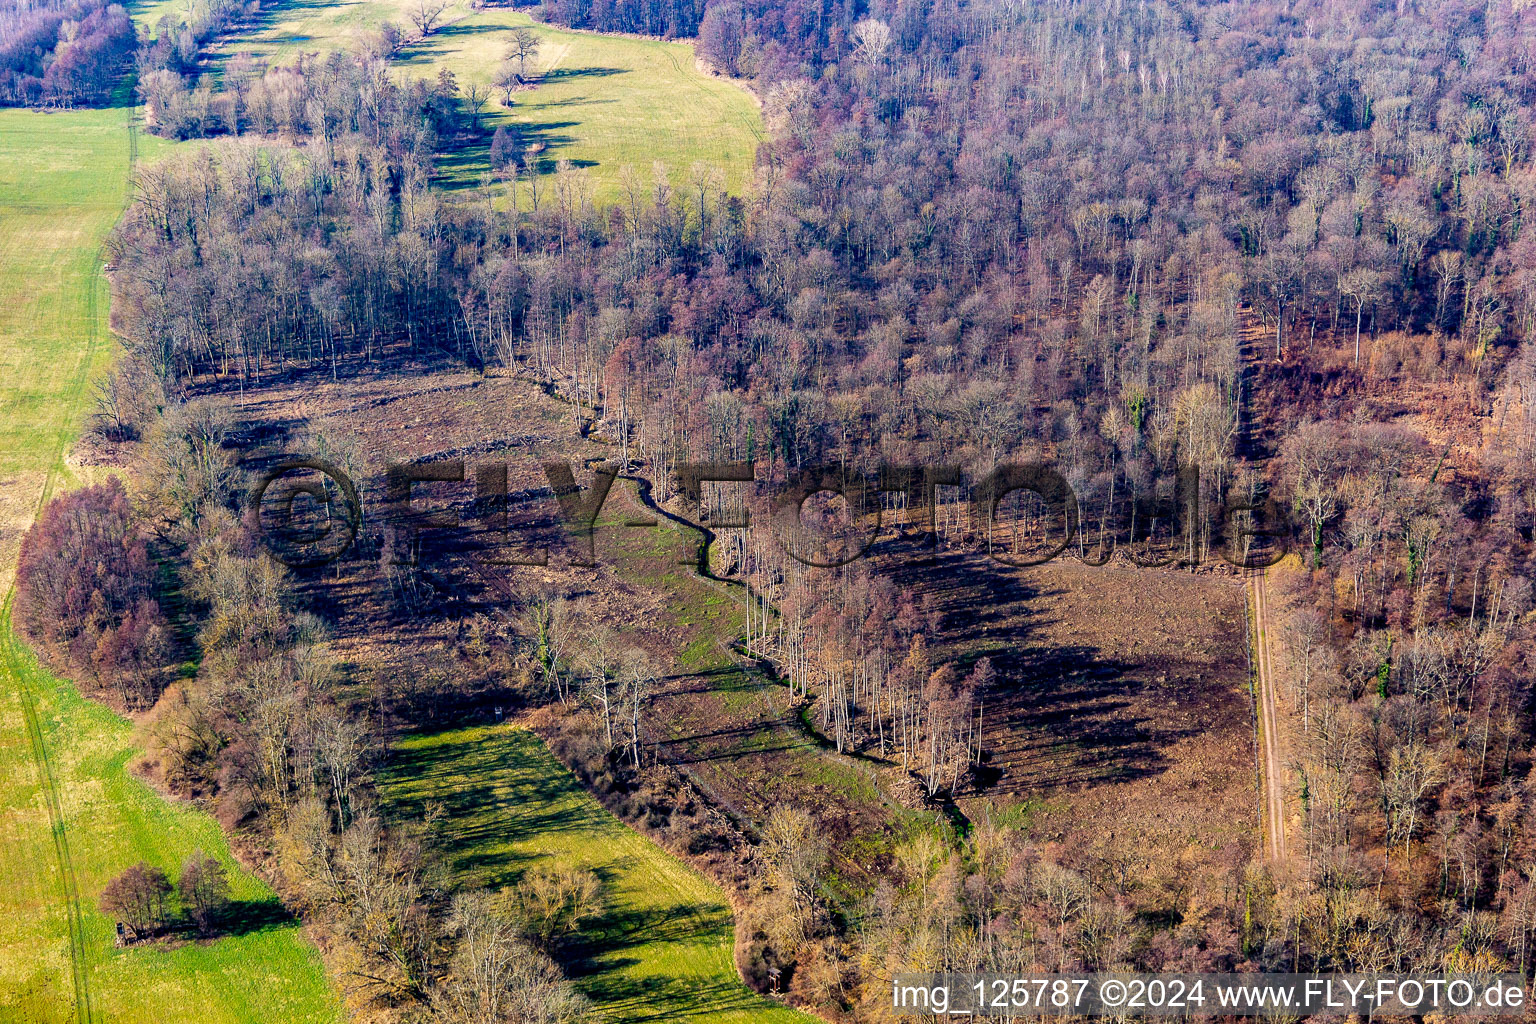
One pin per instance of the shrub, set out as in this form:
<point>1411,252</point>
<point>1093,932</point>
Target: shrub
<point>503,148</point>
<point>84,585</point>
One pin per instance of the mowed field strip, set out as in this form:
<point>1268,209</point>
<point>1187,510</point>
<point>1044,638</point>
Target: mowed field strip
<point>662,951</point>
<point>71,815</point>
<point>63,183</point>
<point>602,102</point>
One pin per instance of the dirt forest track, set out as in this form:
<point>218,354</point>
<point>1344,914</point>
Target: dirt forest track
<point>1254,438</point>
<point>1271,763</point>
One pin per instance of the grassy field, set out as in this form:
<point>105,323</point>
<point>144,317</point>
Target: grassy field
<point>63,182</point>
<point>109,820</point>
<point>662,951</point>
<point>736,731</point>
<point>71,815</point>
<point>602,102</point>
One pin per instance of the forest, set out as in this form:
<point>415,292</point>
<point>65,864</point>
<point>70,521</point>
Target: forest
<point>1288,245</point>
<point>62,54</point>
<point>70,53</point>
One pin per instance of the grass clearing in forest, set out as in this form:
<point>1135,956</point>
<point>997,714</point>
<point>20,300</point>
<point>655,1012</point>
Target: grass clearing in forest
<point>601,101</point>
<point>71,815</point>
<point>661,951</point>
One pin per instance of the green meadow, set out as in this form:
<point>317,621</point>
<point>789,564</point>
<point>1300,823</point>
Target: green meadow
<point>71,820</point>
<point>63,183</point>
<point>662,949</point>
<point>601,102</point>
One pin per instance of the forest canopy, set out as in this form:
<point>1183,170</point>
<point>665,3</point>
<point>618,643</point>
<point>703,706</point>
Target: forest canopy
<point>1288,245</point>
<point>62,52</point>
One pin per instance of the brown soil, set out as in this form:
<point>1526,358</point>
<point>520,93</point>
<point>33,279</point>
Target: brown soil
<point>1121,704</point>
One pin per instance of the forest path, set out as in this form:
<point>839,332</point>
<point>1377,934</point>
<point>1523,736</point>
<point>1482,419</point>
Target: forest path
<point>1269,735</point>
<point>1252,443</point>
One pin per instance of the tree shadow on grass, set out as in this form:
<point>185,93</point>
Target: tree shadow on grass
<point>659,998</point>
<point>460,165</point>
<point>265,18</point>
<point>566,74</point>
<point>495,793</point>
<point>458,28</point>
<point>246,917</point>
<point>588,951</point>
<point>597,960</point>
<point>499,788</point>
<point>569,101</point>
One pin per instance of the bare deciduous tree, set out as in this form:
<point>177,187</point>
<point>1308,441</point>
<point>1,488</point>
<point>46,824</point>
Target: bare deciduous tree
<point>378,885</point>
<point>639,677</point>
<point>1362,286</point>
<point>1412,771</point>
<point>507,79</point>
<point>494,975</point>
<point>126,399</point>
<point>340,747</point>
<point>873,37</point>
<point>475,98</point>
<point>204,889</point>
<point>557,900</point>
<point>599,665</point>
<point>140,897</point>
<point>425,15</point>
<point>795,851</point>
<point>523,48</point>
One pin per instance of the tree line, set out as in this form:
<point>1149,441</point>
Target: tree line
<point>119,583</point>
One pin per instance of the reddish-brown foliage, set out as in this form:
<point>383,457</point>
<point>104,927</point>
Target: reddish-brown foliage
<point>85,584</point>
